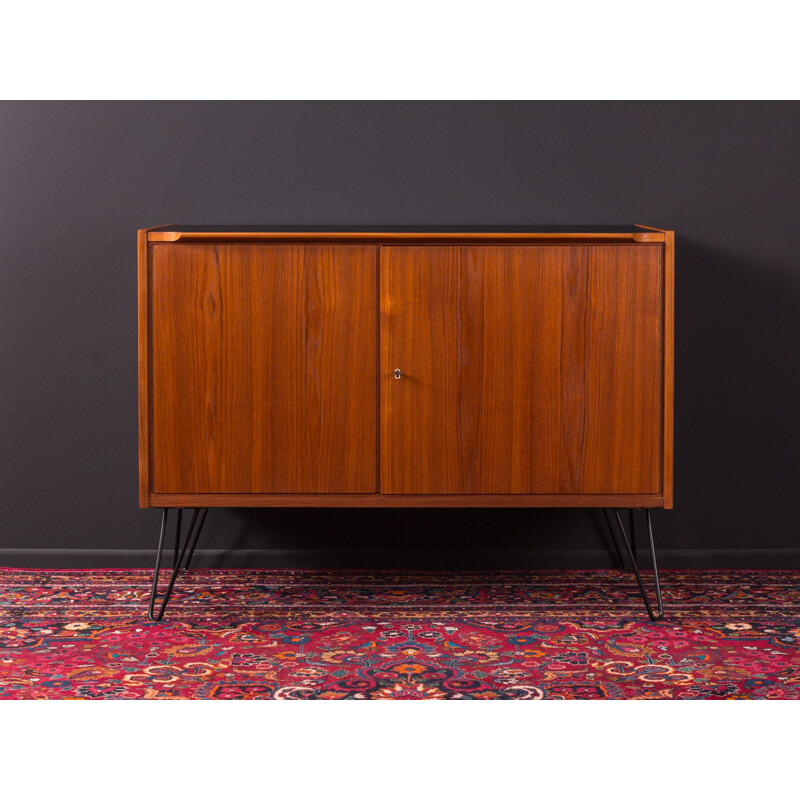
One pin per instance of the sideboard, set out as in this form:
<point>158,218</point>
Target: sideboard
<point>397,367</point>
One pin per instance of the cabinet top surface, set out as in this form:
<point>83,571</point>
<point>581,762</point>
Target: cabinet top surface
<point>394,229</point>
<point>383,234</point>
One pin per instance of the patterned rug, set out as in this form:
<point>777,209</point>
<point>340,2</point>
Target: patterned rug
<point>237,634</point>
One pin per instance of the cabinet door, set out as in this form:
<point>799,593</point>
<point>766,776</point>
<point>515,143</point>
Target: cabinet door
<point>263,368</point>
<point>524,369</point>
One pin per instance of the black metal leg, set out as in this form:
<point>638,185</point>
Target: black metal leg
<point>623,564</point>
<point>178,534</point>
<point>203,515</point>
<point>632,531</point>
<point>179,555</point>
<point>659,613</point>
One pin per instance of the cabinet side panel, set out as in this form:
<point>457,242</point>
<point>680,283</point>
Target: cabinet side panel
<point>264,368</point>
<point>669,358</point>
<point>623,371</point>
<point>143,299</point>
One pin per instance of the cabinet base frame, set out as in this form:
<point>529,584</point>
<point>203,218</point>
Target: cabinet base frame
<point>380,500</point>
<point>182,556</point>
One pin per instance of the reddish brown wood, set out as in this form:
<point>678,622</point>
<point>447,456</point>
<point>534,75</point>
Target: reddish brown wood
<point>526,370</point>
<point>144,370</point>
<point>544,370</point>
<point>404,237</point>
<point>668,337</point>
<point>407,500</point>
<point>622,435</point>
<point>143,282</point>
<point>263,368</point>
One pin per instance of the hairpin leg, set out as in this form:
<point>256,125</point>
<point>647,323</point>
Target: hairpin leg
<point>659,613</point>
<point>622,562</point>
<point>178,558</point>
<point>188,561</point>
<point>632,533</point>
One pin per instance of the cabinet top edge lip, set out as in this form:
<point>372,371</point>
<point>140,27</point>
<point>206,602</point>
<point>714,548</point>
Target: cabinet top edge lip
<point>407,229</point>
<point>619,233</point>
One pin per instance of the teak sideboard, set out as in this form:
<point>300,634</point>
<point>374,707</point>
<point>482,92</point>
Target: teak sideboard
<point>318,366</point>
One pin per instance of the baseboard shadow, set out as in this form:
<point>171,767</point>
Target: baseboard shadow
<point>757,558</point>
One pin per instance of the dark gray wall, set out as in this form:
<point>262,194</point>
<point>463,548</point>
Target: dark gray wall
<point>77,179</point>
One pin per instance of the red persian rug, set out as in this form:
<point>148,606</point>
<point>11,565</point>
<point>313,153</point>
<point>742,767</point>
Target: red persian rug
<point>236,634</point>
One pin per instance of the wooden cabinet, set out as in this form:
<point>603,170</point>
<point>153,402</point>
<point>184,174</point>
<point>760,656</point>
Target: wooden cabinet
<point>495,367</point>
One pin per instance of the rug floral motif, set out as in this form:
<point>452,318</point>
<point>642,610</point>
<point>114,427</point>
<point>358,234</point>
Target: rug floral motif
<point>282,634</point>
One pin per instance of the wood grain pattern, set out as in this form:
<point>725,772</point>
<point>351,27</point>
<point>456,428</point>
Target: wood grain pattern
<point>623,386</point>
<point>143,291</point>
<point>526,370</point>
<point>545,370</point>
<point>406,500</point>
<point>144,369</point>
<point>263,368</point>
<point>669,368</point>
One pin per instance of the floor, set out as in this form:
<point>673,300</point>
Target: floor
<point>287,634</point>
